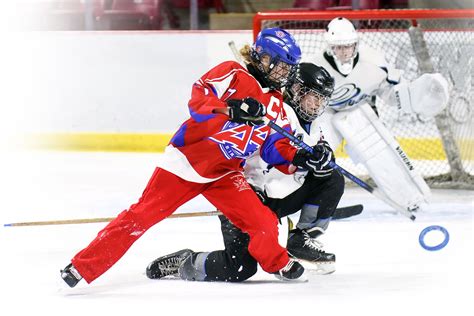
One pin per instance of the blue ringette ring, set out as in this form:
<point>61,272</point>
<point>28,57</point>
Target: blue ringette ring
<point>436,247</point>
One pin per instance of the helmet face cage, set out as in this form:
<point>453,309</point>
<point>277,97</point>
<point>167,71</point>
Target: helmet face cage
<point>276,73</point>
<point>308,103</point>
<point>279,73</point>
<point>283,55</point>
<point>309,91</point>
<point>342,43</point>
<point>336,50</point>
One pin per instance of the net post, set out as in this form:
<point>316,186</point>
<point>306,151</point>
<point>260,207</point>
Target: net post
<point>442,121</point>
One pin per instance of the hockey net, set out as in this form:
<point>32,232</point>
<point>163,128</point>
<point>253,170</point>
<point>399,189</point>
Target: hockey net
<point>415,41</point>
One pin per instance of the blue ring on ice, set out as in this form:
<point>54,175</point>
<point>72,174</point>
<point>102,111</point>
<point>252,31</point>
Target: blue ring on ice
<point>436,247</point>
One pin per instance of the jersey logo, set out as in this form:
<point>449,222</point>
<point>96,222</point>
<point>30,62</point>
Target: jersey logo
<point>240,183</point>
<point>240,141</point>
<point>346,95</point>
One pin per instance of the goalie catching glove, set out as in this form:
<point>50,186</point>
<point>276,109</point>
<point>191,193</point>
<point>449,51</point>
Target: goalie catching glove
<point>247,111</point>
<point>316,162</point>
<point>425,96</point>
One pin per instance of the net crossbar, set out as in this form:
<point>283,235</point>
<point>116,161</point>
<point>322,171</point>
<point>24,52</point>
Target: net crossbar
<point>415,41</point>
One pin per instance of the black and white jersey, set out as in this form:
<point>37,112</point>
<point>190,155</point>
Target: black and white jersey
<point>275,183</point>
<point>371,75</point>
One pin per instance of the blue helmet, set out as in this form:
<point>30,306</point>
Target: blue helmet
<point>280,45</point>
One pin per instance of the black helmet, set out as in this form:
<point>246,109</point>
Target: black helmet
<point>313,79</point>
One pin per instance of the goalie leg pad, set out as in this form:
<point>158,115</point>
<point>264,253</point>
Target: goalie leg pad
<point>370,143</point>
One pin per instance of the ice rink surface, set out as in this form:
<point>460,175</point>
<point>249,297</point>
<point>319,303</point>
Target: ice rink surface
<point>381,268</point>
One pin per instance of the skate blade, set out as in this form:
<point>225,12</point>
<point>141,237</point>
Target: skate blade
<point>319,268</point>
<point>302,279</point>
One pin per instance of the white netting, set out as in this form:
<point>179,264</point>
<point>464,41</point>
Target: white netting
<point>450,46</point>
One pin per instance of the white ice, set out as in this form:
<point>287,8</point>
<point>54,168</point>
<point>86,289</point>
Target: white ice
<point>381,268</point>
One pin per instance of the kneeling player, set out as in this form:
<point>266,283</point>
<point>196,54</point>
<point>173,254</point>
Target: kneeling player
<point>314,188</point>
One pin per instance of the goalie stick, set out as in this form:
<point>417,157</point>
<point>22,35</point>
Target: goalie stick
<point>332,164</point>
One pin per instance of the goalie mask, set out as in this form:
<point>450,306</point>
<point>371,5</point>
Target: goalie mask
<point>342,44</point>
<point>276,55</point>
<point>309,90</point>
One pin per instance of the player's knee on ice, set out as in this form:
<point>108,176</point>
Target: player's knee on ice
<point>234,264</point>
<point>230,267</point>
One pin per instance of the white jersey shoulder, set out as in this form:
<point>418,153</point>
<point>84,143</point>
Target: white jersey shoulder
<point>275,183</point>
<point>372,56</point>
<point>370,73</point>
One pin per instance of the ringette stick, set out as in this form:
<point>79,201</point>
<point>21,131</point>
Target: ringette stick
<point>340,213</point>
<point>235,52</point>
<point>102,219</point>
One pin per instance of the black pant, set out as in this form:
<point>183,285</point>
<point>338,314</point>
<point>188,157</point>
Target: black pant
<point>234,263</point>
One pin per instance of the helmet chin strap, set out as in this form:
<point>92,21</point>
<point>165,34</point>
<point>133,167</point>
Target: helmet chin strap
<point>344,68</point>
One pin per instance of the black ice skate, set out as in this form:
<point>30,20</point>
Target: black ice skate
<point>70,275</point>
<point>167,265</point>
<point>292,271</point>
<point>305,248</point>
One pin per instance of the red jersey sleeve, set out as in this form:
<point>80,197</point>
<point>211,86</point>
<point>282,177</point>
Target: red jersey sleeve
<point>209,90</point>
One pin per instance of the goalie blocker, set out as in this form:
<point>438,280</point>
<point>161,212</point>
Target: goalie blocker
<point>370,143</point>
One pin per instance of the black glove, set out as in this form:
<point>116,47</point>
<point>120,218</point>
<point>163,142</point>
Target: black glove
<point>260,193</point>
<point>318,161</point>
<point>247,111</point>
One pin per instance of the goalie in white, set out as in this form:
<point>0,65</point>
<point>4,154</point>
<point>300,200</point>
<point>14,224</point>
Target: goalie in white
<point>363,76</point>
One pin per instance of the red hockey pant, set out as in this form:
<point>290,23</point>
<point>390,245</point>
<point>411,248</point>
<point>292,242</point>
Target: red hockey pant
<point>164,193</point>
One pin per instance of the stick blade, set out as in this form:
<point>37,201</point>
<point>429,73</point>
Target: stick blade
<point>348,211</point>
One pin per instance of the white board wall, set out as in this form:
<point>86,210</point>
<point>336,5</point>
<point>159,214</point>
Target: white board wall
<point>108,81</point>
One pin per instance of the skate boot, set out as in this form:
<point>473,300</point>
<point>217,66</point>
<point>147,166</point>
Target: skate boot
<point>70,275</point>
<point>167,265</point>
<point>292,271</point>
<point>304,247</point>
<point>193,267</point>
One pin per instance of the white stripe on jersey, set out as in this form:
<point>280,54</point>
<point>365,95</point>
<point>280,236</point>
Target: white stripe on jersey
<point>221,87</point>
<point>221,84</point>
<point>175,162</point>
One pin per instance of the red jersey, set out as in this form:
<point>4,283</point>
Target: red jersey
<point>208,146</point>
